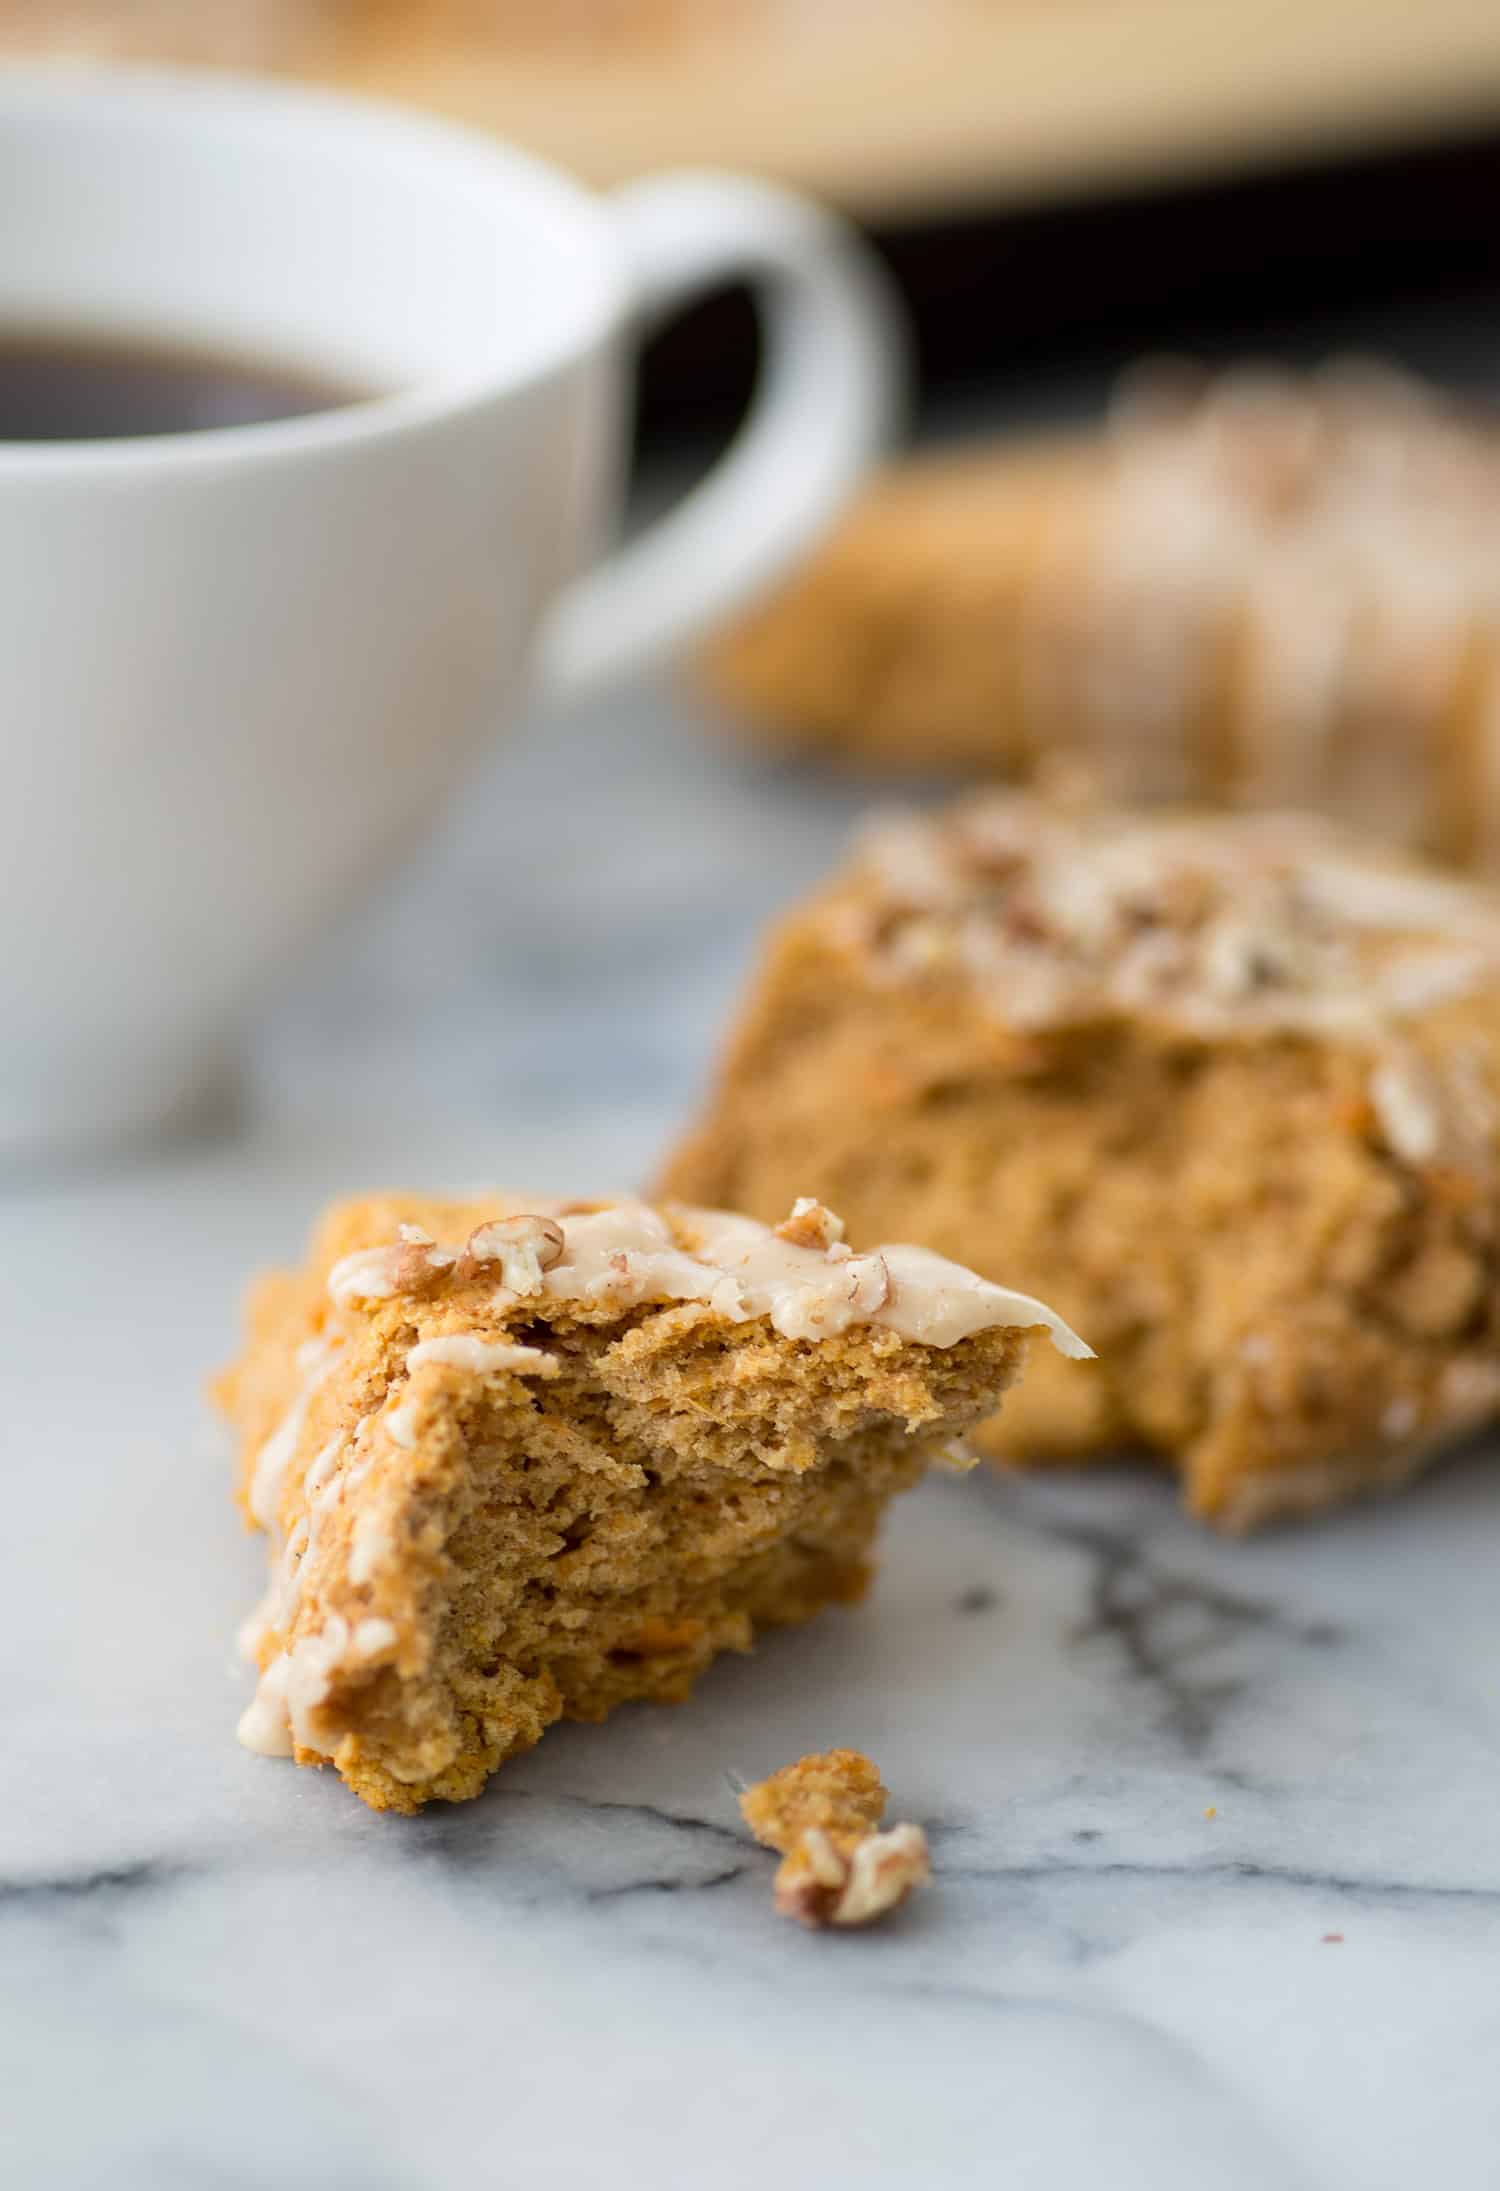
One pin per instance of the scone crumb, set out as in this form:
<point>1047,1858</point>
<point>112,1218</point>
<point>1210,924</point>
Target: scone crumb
<point>823,1814</point>
<point>839,1791</point>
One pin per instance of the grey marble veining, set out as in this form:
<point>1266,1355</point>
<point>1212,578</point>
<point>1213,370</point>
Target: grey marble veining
<point>219,1972</point>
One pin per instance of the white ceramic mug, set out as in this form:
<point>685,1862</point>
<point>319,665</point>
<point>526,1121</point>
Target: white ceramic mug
<point>241,668</point>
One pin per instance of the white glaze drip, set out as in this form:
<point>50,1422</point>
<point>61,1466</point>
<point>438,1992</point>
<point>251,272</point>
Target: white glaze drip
<point>1309,559</point>
<point>624,1254</point>
<point>462,1350</point>
<point>315,1358</point>
<point>264,1725</point>
<point>401,1426</point>
<point>1249,923</point>
<point>628,1255</point>
<point>369,1274</point>
<point>810,1294</point>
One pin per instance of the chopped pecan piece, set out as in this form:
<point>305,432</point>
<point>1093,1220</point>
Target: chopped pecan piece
<point>823,1814</point>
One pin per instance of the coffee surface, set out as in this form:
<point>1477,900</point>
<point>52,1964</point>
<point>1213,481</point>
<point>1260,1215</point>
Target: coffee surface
<point>58,385</point>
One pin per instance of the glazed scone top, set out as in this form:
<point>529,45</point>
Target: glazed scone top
<point>1218,924</point>
<point>1322,546</point>
<point>624,1255</point>
<point>596,1261</point>
<point>1311,490</point>
<point>1343,447</point>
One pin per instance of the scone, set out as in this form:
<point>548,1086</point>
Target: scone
<point>1255,590</point>
<point>1225,1088</point>
<point>526,1462</point>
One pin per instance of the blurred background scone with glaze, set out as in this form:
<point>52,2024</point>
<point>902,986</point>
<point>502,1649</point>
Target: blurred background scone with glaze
<point>1254,589</point>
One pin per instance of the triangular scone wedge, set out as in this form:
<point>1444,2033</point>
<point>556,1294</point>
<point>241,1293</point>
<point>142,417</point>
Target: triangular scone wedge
<point>526,1462</point>
<point>1226,1087</point>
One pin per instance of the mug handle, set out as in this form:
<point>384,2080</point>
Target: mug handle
<point>827,399</point>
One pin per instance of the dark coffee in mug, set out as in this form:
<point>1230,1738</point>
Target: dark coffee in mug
<point>61,385</point>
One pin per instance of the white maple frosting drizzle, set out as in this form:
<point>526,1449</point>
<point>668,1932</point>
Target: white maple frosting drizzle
<point>315,1358</point>
<point>629,1254</point>
<point>379,1274</point>
<point>1215,923</point>
<point>265,1724</point>
<point>296,1679</point>
<point>1310,557</point>
<point>813,1294</point>
<point>293,1686</point>
<point>743,1269</point>
<point>463,1350</point>
<point>625,1254</point>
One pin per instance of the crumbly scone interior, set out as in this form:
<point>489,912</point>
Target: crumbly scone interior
<point>616,1497</point>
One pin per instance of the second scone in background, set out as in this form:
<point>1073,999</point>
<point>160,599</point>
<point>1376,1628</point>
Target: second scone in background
<point>1223,1088</point>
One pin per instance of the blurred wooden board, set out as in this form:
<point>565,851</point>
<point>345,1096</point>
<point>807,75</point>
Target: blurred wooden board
<point>907,108</point>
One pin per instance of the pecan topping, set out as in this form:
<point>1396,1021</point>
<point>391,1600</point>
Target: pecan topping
<point>413,1263</point>
<point>524,1247</point>
<point>823,1814</point>
<point>825,1882</point>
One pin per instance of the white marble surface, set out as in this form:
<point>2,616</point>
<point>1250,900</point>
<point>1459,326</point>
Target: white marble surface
<point>219,1972</point>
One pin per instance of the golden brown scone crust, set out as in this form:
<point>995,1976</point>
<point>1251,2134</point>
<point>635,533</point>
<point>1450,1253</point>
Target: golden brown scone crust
<point>1273,1205</point>
<point>472,1545</point>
